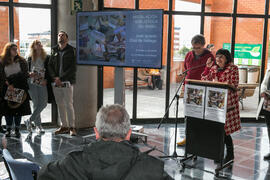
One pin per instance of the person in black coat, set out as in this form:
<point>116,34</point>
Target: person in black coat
<point>15,75</point>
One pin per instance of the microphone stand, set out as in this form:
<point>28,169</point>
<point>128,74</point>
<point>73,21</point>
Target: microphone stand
<point>176,96</point>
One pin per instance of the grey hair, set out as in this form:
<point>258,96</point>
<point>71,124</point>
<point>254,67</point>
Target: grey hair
<point>112,121</point>
<point>198,39</point>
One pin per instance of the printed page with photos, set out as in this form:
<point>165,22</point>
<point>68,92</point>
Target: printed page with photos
<point>38,77</point>
<point>15,95</point>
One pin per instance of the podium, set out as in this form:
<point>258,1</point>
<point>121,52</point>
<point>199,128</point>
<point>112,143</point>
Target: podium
<point>205,110</point>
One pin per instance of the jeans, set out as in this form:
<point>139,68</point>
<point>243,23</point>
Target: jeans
<point>39,96</point>
<point>10,119</point>
<point>64,101</point>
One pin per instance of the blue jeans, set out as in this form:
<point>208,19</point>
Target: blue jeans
<point>39,98</point>
<point>10,119</point>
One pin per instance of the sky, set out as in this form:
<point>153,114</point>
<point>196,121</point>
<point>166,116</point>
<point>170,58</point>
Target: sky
<point>32,20</point>
<point>190,25</point>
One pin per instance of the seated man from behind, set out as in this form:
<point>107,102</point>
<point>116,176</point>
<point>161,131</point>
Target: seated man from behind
<point>112,157</point>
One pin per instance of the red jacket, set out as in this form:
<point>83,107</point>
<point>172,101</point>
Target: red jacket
<point>231,76</point>
<point>191,62</point>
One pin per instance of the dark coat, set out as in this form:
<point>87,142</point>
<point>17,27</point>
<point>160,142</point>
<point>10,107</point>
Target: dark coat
<point>47,77</point>
<point>69,64</point>
<point>18,80</point>
<point>2,82</point>
<point>106,160</point>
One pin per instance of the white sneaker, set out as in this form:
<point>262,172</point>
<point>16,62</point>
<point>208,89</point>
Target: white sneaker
<point>28,125</point>
<point>40,129</point>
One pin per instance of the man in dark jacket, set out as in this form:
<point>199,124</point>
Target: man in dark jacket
<point>62,69</point>
<point>112,157</point>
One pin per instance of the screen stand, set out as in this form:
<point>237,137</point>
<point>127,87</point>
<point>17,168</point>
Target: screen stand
<point>119,86</point>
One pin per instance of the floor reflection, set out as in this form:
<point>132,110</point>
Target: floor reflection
<point>251,144</point>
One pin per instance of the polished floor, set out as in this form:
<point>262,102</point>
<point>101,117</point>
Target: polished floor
<point>251,144</point>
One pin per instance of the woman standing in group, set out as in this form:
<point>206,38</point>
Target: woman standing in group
<point>15,74</point>
<point>38,81</point>
<point>223,70</point>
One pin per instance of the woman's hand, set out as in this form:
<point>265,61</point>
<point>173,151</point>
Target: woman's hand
<point>209,62</point>
<point>31,74</point>
<point>44,82</point>
<point>10,87</point>
<point>263,95</point>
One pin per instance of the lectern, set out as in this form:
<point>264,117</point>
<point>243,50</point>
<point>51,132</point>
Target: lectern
<point>205,107</point>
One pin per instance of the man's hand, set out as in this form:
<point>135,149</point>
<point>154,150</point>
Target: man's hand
<point>58,81</point>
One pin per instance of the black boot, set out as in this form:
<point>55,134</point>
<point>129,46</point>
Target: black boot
<point>17,133</point>
<point>2,130</point>
<point>8,132</point>
<point>229,155</point>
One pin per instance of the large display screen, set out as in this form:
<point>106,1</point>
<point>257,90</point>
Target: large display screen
<point>120,38</point>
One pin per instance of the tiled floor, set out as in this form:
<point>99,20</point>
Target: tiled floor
<point>251,144</point>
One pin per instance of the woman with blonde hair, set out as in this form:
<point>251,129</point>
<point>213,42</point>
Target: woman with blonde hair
<point>37,64</point>
<point>15,75</point>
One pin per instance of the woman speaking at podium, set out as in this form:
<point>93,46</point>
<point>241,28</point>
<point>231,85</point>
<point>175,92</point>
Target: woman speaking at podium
<point>223,70</point>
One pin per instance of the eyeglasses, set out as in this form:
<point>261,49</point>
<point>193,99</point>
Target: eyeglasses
<point>197,48</point>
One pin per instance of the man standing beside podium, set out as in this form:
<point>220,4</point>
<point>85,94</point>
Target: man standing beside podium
<point>223,70</point>
<point>196,58</point>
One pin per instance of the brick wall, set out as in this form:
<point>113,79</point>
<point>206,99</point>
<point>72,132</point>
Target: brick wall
<point>4,26</point>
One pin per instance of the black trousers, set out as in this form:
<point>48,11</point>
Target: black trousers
<point>228,141</point>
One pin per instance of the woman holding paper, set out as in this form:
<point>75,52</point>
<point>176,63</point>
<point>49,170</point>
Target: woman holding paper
<point>38,81</point>
<point>15,74</point>
<point>223,70</point>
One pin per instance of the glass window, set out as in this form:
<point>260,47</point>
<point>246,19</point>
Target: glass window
<point>224,6</point>
<point>146,4</point>
<point>26,29</point>
<point>183,5</point>
<point>4,27</point>
<point>248,55</point>
<point>35,1</point>
<point>147,96</point>
<point>129,4</point>
<point>250,7</point>
<point>217,31</point>
<point>108,85</point>
<point>185,27</point>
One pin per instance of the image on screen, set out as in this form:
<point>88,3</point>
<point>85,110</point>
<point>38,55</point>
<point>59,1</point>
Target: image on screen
<point>120,38</point>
